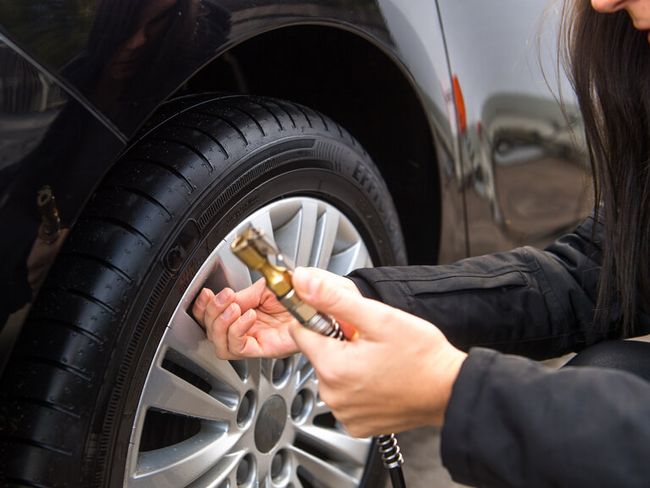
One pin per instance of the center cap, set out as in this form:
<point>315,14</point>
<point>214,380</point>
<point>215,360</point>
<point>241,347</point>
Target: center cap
<point>270,423</point>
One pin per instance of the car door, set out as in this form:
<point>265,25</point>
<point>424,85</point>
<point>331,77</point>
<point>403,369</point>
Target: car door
<point>524,169</point>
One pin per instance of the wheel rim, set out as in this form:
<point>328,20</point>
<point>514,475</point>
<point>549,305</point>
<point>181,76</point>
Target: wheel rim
<point>228,424</point>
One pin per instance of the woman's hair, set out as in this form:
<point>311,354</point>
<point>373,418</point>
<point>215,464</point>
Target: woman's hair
<point>609,66</point>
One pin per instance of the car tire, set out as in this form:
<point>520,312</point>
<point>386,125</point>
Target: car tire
<point>72,392</point>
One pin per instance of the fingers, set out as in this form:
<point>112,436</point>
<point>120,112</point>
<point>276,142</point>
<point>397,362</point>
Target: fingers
<point>239,342</point>
<point>311,344</point>
<point>340,281</point>
<point>218,330</point>
<point>216,313</point>
<point>225,324</point>
<point>250,296</point>
<point>326,295</point>
<point>201,302</point>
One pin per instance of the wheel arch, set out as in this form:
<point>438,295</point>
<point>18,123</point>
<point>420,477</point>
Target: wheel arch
<point>361,85</point>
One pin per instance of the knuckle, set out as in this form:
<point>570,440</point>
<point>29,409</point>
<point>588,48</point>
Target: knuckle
<point>219,340</point>
<point>209,332</point>
<point>325,293</point>
<point>333,399</point>
<point>389,315</point>
<point>331,295</point>
<point>337,374</point>
<point>335,402</point>
<point>354,429</point>
<point>220,327</point>
<point>327,377</point>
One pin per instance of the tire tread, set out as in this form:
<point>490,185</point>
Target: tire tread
<point>267,109</point>
<point>206,134</point>
<point>190,148</point>
<point>229,123</point>
<point>47,405</point>
<point>248,115</point>
<point>76,255</point>
<point>40,445</point>
<point>54,364</point>
<point>136,191</point>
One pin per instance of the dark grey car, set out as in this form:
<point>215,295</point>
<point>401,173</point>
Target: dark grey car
<point>137,138</point>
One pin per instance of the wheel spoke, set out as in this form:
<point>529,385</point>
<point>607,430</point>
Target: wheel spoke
<point>263,222</point>
<point>182,463</point>
<point>308,217</point>
<point>235,274</point>
<point>166,391</point>
<point>226,469</point>
<point>254,370</point>
<point>266,371</point>
<point>352,258</point>
<point>326,230</point>
<point>320,407</point>
<point>286,237</point>
<point>336,444</point>
<point>303,371</point>
<point>325,472</point>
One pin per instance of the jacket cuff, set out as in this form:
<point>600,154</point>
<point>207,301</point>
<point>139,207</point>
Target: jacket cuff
<point>456,437</point>
<point>364,287</point>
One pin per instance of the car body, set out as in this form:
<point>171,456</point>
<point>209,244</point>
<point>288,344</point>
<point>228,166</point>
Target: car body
<point>447,97</point>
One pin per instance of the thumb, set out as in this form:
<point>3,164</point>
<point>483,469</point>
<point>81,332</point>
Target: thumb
<point>313,345</point>
<point>325,293</point>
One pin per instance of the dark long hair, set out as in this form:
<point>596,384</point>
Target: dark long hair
<point>609,66</point>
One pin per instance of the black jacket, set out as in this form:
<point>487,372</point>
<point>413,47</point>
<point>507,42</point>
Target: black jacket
<point>512,422</point>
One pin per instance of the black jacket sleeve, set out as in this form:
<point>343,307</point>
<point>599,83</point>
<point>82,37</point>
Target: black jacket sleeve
<point>512,422</point>
<point>531,302</point>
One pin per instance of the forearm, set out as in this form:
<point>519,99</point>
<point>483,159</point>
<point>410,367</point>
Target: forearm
<point>527,301</point>
<point>513,422</point>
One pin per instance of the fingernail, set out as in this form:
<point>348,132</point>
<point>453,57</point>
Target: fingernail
<point>222,297</point>
<point>228,313</point>
<point>202,298</point>
<point>306,281</point>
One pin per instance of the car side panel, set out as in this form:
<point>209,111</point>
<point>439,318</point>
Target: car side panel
<point>523,163</point>
<point>126,58</point>
<point>415,26</point>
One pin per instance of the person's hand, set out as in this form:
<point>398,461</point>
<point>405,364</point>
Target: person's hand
<point>251,322</point>
<point>396,375</point>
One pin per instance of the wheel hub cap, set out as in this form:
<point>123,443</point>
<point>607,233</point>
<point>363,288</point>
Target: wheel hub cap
<point>270,423</point>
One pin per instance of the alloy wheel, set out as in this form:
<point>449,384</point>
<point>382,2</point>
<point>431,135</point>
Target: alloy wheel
<point>202,421</point>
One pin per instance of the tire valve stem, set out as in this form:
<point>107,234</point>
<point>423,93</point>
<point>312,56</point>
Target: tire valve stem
<point>254,249</point>
<point>50,227</point>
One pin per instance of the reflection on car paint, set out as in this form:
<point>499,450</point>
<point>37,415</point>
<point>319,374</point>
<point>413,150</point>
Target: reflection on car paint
<point>525,175</point>
<point>506,177</point>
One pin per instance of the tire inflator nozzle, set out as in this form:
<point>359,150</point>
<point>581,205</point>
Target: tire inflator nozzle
<point>50,227</point>
<point>253,248</point>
